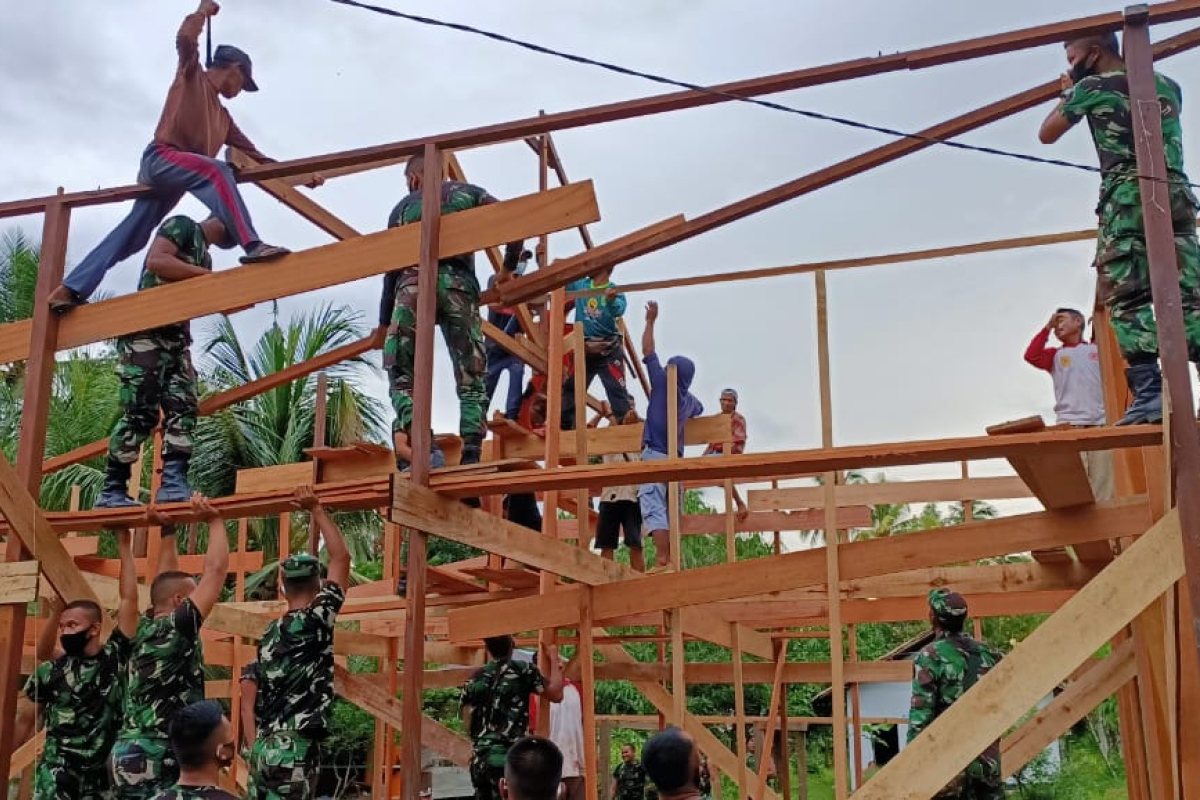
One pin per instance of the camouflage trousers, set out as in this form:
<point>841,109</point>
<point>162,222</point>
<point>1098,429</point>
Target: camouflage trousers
<point>283,766</point>
<point>1124,268</point>
<point>487,768</point>
<point>141,768</point>
<point>156,373</point>
<point>458,317</point>
<point>54,780</point>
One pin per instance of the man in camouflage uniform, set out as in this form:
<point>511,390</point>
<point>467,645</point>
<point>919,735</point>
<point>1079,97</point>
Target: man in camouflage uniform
<point>1097,88</point>
<point>155,368</point>
<point>165,671</point>
<point>294,675</point>
<point>943,672</point>
<point>78,694</point>
<point>629,777</point>
<point>457,315</point>
<point>495,705</point>
<point>202,739</point>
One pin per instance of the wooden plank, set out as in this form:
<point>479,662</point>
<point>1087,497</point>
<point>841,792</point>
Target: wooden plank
<point>794,570</point>
<point>370,697</point>
<point>318,268</point>
<point>758,673</point>
<point>889,492</point>
<point>1126,586</point>
<point>760,466</point>
<point>696,622</point>
<point>423,509</point>
<point>28,522</point>
<point>280,476</point>
<point>147,568</point>
<point>1058,480</point>
<point>756,522</point>
<point>1100,680</point>
<point>615,439</point>
<point>18,581</point>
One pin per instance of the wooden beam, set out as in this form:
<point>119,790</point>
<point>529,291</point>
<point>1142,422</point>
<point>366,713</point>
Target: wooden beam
<point>1126,586</point>
<point>423,509</point>
<point>889,492</point>
<point>794,570</point>
<point>759,672</point>
<point>18,582</point>
<point>1100,680</point>
<point>309,270</point>
<point>1058,480</point>
<point>616,439</point>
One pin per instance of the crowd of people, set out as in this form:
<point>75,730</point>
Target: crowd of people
<point>127,716</point>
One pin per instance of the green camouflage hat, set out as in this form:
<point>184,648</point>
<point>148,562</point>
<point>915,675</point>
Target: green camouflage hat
<point>947,604</point>
<point>301,565</point>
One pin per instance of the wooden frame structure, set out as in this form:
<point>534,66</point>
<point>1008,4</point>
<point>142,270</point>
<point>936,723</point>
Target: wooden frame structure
<point>1125,571</point>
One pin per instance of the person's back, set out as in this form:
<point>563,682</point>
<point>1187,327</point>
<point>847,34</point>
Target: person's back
<point>202,738</point>
<point>456,196</point>
<point>532,770</point>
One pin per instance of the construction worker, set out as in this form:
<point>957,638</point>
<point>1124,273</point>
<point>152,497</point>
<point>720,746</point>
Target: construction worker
<point>495,708</point>
<point>533,771</point>
<point>155,368</point>
<point>202,740</point>
<point>499,360</point>
<point>457,316</point>
<point>78,694</point>
<point>737,423</point>
<point>629,777</point>
<point>600,315</point>
<point>181,158</point>
<point>294,675</point>
<point>165,671</point>
<point>1097,88</point>
<point>672,762</point>
<point>943,672</point>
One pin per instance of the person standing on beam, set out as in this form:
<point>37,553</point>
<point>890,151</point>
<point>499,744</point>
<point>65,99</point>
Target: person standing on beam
<point>499,360</point>
<point>495,708</point>
<point>1097,88</point>
<point>166,669</point>
<point>155,368</point>
<point>652,497</point>
<point>181,158</point>
<point>78,693</point>
<point>1078,387</point>
<point>737,423</point>
<point>294,672</point>
<point>944,671</point>
<point>599,309</point>
<point>457,316</point>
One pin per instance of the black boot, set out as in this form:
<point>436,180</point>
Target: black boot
<point>472,452</point>
<point>174,487</point>
<point>1145,381</point>
<point>116,483</point>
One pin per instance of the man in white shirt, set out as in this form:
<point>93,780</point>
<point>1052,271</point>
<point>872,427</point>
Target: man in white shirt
<point>1078,387</point>
<point>566,731</point>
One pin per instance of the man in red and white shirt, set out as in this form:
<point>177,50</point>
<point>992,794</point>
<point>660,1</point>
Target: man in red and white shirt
<point>1078,387</point>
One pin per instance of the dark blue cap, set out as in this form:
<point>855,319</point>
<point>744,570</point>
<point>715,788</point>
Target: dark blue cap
<point>227,54</point>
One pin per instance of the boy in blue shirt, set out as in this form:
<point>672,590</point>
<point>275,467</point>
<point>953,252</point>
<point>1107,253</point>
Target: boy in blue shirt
<point>600,316</point>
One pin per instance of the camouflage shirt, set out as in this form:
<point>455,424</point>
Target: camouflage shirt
<point>943,672</point>
<point>295,667</point>
<point>188,238</point>
<point>1104,101</point>
<point>165,672</point>
<point>179,792</point>
<point>498,694</point>
<point>80,697</point>
<point>631,781</point>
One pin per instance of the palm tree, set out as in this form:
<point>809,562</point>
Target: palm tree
<point>277,426</point>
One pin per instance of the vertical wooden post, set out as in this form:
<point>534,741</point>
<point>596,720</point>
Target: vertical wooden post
<point>239,576</point>
<point>587,696</point>
<point>320,417</point>
<point>855,711</point>
<point>1168,305</point>
<point>583,497</point>
<point>604,773</point>
<point>554,401</point>
<point>414,629</point>
<point>802,765</point>
<point>833,572</point>
<point>39,377</point>
<point>766,751</point>
<point>739,706</point>
<point>785,737</point>
<point>284,538</point>
<point>673,509</point>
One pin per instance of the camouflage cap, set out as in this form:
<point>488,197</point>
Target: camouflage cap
<point>947,604</point>
<point>301,565</point>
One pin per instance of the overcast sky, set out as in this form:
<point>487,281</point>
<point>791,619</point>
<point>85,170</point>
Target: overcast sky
<point>921,350</point>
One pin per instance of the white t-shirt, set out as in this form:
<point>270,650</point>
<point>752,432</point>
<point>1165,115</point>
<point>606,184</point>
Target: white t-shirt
<point>1078,386</point>
<point>612,494</point>
<point>566,730</point>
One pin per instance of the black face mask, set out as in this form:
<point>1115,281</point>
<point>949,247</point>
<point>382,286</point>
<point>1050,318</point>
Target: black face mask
<point>1081,70</point>
<point>73,644</point>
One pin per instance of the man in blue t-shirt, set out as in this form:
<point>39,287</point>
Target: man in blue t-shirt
<point>652,497</point>
<point>600,314</point>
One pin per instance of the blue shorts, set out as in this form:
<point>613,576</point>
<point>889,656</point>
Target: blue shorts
<point>652,497</point>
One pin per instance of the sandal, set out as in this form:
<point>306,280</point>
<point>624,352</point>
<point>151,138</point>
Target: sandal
<point>264,252</point>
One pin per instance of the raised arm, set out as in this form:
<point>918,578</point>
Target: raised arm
<point>168,551</point>
<point>127,609</point>
<point>249,685</point>
<point>47,639</point>
<point>335,542</point>
<point>1037,354</point>
<point>216,560</point>
<point>554,683</point>
<point>1058,122</point>
<point>648,331</point>
<point>187,40</point>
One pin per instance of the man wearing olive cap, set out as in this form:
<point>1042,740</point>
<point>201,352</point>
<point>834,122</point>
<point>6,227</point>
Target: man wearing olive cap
<point>944,670</point>
<point>294,673</point>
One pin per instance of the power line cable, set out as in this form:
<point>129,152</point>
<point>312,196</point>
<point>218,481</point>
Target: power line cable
<point>775,106</point>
